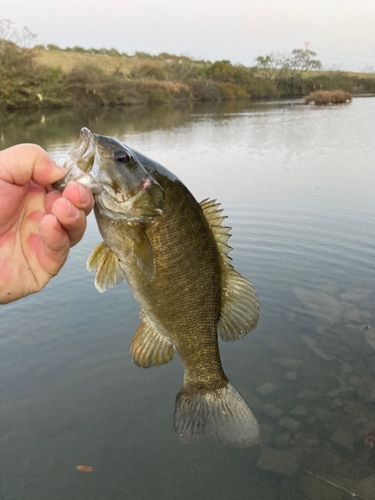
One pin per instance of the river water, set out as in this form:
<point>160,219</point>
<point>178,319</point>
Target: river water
<point>298,186</point>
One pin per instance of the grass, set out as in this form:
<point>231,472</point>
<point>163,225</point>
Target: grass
<point>69,60</point>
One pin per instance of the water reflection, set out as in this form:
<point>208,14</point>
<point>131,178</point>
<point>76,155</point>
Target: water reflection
<point>45,126</point>
<point>298,185</point>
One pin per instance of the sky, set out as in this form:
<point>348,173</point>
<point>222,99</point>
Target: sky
<point>341,32</point>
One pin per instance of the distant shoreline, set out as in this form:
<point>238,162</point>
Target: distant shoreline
<point>40,78</point>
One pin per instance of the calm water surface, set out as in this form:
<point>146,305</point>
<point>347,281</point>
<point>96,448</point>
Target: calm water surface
<point>298,186</point>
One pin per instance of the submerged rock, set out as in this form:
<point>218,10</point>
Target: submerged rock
<point>366,487</point>
<point>291,375</point>
<point>266,433</point>
<point>369,332</point>
<point>280,461</point>
<point>283,439</point>
<point>311,343</point>
<point>308,394</point>
<point>323,306</point>
<point>343,438</point>
<point>346,367</point>
<point>301,410</point>
<point>272,411</point>
<point>289,423</point>
<point>323,414</point>
<point>289,363</point>
<point>325,487</point>
<point>267,388</point>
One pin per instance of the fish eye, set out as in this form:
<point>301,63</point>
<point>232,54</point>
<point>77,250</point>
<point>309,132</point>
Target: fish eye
<point>122,156</point>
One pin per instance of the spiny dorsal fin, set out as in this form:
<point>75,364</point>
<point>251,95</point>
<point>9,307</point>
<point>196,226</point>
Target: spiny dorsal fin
<point>149,347</point>
<point>239,301</point>
<point>105,263</point>
<point>221,233</point>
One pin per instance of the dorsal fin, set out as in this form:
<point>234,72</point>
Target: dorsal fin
<point>239,302</point>
<point>221,233</point>
<point>108,271</point>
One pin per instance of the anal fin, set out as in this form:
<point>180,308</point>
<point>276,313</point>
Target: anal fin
<point>149,347</point>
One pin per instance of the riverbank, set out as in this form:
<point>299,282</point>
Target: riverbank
<point>39,78</point>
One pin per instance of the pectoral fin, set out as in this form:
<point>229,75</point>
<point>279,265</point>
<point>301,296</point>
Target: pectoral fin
<point>105,263</point>
<point>144,255</point>
<point>149,347</point>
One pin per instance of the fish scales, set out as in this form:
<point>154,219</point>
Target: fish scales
<point>184,298</point>
<point>173,253</point>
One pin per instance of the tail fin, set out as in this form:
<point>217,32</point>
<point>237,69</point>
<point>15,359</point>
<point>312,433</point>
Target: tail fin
<point>221,413</point>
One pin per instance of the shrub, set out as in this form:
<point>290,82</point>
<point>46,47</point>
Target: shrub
<point>261,87</point>
<point>324,97</point>
<point>19,82</point>
<point>83,85</point>
<point>205,90</point>
<point>149,70</point>
<point>156,91</point>
<point>231,91</point>
<point>51,46</point>
<point>290,86</point>
<point>181,71</point>
<point>221,71</point>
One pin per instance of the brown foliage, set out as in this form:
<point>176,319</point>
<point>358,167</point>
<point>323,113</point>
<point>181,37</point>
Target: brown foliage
<point>328,97</point>
<point>231,91</point>
<point>205,90</point>
<point>163,90</point>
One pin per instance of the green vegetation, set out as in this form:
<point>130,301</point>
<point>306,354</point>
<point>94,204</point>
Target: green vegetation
<point>48,76</point>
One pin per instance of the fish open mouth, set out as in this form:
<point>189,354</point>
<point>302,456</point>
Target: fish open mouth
<point>83,152</point>
<point>122,191</point>
<point>81,164</point>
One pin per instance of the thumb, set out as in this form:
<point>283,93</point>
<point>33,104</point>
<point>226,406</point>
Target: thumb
<point>25,162</point>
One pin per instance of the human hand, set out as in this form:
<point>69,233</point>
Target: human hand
<point>38,225</point>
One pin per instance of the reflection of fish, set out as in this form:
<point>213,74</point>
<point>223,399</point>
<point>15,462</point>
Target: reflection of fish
<point>173,253</point>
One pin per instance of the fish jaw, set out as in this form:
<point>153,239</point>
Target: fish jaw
<point>82,164</point>
<point>111,170</point>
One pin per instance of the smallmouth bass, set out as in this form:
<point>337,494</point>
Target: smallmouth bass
<point>173,252</point>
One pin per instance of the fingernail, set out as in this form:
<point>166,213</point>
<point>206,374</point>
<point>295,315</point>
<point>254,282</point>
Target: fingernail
<point>61,169</point>
<point>85,196</point>
<point>73,212</point>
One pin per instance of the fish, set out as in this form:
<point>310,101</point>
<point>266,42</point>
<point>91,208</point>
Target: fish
<point>173,253</point>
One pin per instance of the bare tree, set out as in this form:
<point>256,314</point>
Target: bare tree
<point>334,67</point>
<point>271,62</point>
<point>369,68</point>
<point>6,30</point>
<point>23,37</point>
<point>297,61</point>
